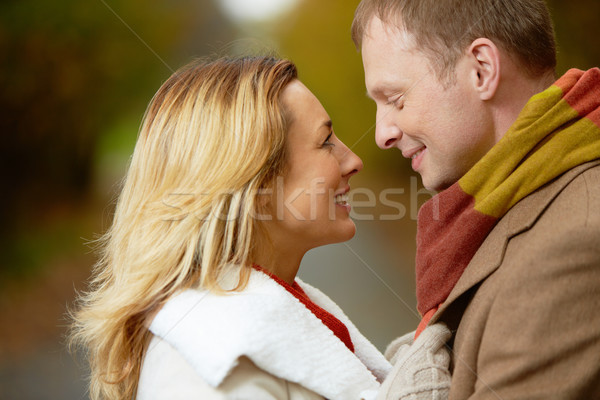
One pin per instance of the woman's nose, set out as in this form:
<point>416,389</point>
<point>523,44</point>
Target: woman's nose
<point>350,164</point>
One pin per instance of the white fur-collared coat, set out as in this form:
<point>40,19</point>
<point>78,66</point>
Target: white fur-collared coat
<point>261,343</point>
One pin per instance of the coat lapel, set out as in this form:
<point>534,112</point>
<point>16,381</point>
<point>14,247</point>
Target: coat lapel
<point>366,352</point>
<point>519,219</point>
<point>273,329</point>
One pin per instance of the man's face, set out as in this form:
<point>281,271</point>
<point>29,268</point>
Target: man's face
<point>445,130</point>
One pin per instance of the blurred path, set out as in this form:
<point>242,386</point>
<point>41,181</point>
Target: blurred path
<point>48,374</point>
<point>34,365</point>
<point>381,311</point>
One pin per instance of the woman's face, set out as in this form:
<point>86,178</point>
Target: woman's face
<point>309,206</point>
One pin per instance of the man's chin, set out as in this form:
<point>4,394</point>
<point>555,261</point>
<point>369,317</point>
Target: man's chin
<point>435,185</point>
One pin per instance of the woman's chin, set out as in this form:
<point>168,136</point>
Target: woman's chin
<point>344,232</point>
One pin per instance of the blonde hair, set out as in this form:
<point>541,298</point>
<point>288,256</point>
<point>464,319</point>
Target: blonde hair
<point>443,29</point>
<point>211,138</point>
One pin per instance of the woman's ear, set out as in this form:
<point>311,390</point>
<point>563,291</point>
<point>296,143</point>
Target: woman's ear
<point>485,57</point>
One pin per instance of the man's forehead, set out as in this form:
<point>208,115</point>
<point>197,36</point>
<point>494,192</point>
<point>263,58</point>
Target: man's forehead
<point>387,52</point>
<point>389,31</point>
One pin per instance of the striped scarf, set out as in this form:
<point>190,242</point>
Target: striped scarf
<point>557,130</point>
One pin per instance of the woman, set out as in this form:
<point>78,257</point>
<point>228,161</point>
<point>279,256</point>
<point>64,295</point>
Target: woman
<point>235,175</point>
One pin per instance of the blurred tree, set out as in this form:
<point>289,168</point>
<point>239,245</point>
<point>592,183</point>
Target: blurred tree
<point>71,70</point>
<point>577,32</point>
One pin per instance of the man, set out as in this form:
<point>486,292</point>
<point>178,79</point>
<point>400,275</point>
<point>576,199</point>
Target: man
<point>508,252</point>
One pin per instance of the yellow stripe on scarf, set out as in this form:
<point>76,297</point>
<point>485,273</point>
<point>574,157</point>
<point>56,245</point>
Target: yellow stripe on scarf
<point>539,146</point>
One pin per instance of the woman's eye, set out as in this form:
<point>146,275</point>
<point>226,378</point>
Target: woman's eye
<point>327,141</point>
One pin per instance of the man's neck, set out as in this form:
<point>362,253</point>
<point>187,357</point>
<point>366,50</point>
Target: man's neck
<point>514,93</point>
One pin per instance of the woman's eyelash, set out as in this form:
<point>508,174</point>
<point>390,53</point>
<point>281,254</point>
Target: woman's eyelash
<point>327,142</point>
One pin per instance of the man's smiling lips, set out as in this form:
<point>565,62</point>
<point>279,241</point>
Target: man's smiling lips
<point>416,155</point>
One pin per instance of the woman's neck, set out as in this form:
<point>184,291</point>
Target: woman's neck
<point>281,263</point>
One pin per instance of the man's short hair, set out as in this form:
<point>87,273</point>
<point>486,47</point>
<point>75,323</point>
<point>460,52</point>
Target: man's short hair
<point>443,29</point>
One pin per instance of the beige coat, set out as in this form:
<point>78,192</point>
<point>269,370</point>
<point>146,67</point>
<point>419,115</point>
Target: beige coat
<point>527,309</point>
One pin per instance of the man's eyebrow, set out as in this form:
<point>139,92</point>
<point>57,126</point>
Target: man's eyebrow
<point>381,91</point>
<point>377,92</point>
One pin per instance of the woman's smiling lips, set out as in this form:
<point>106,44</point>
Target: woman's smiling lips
<point>341,199</point>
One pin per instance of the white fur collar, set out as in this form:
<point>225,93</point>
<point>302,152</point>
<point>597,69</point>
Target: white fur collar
<point>278,333</point>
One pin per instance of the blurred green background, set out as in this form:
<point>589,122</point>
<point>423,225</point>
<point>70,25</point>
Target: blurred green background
<point>75,80</point>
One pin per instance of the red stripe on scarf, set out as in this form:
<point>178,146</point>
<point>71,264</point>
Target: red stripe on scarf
<point>578,88</point>
<point>450,232</point>
<point>335,325</point>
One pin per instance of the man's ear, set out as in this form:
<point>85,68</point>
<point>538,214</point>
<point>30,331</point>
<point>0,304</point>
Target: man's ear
<point>485,57</point>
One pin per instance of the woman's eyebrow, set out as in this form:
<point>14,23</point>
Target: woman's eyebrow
<point>326,124</point>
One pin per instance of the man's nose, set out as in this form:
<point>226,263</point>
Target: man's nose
<point>387,133</point>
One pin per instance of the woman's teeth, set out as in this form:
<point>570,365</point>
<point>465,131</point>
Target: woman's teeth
<point>341,199</point>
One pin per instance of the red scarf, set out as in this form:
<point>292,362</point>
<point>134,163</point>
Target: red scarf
<point>334,324</point>
<point>557,130</point>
